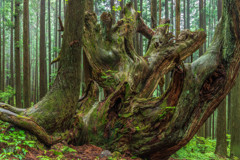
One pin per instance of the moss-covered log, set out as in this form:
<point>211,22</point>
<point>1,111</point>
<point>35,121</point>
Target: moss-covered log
<point>129,119</point>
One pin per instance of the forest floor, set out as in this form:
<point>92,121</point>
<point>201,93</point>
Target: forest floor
<point>15,145</point>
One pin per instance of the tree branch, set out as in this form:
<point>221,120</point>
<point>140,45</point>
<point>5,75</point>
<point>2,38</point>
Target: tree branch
<point>11,108</point>
<point>61,25</point>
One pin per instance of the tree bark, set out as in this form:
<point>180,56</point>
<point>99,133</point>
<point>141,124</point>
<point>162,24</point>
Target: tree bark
<point>201,22</point>
<point>160,11</point>
<point>221,146</point>
<point>235,118</point>
<point>26,57</point>
<point>121,12</point>
<point>141,37</point>
<point>3,48</point>
<point>177,18</point>
<point>112,3</point>
<point>153,13</point>
<point>11,56</point>
<point>89,5</point>
<point>166,9</point>
<point>49,42</point>
<point>188,14</point>
<point>17,55</point>
<point>43,65</point>
<point>128,119</point>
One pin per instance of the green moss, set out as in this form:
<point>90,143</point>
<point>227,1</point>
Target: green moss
<point>229,39</point>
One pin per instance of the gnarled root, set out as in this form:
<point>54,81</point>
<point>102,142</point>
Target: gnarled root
<point>7,114</point>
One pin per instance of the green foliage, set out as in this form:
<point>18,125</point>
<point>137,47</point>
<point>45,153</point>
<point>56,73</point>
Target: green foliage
<point>119,8</point>
<point>67,149</point>
<point>198,148</point>
<point>15,141</point>
<point>9,92</point>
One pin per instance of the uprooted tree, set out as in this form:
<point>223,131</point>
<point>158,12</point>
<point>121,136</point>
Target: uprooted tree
<point>129,119</point>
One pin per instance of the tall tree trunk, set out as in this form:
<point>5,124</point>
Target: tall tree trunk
<point>172,21</point>
<point>112,4</point>
<point>60,17</point>
<point>26,61</point>
<point>49,41</point>
<point>141,37</point>
<point>166,9</point>
<point>11,57</point>
<point>229,114</point>
<point>1,20</point>
<point>201,18</point>
<point>221,147</point>
<point>160,11</point>
<point>184,14</point>
<point>17,55</point>
<point>204,23</point>
<point>137,34</point>
<point>43,67</point>
<point>153,13</point>
<point>177,18</point>
<point>3,49</point>
<point>188,14</point>
<point>235,119</point>
<point>122,5</point>
<point>37,60</point>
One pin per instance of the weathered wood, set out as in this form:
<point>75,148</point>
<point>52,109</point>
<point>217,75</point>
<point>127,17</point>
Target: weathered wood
<point>128,119</point>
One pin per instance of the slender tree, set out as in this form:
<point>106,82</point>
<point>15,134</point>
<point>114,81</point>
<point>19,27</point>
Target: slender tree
<point>26,61</point>
<point>177,18</point>
<point>188,14</point>
<point>153,13</point>
<point>112,5</point>
<point>3,49</point>
<point>11,56</point>
<point>121,5</point>
<point>137,34</point>
<point>1,75</point>
<point>201,24</point>
<point>172,22</point>
<point>37,60</point>
<point>184,14</point>
<point>55,33</point>
<point>17,54</point>
<point>160,11</point>
<point>43,68</point>
<point>49,41</point>
<point>60,17</point>
<point>166,9</point>
<point>141,37</point>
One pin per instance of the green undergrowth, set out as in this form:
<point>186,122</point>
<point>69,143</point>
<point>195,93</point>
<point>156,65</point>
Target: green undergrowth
<point>13,143</point>
<point>200,148</point>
